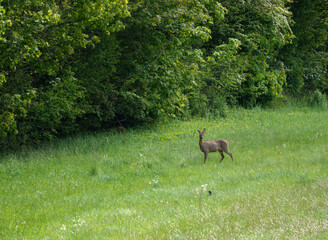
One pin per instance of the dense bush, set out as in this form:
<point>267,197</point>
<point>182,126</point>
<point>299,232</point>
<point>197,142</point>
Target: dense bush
<point>317,99</point>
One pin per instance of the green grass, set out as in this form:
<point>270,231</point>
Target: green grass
<point>146,183</point>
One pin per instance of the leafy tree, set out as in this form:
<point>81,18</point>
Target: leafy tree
<point>67,66</point>
<point>37,40</point>
<point>258,29</point>
<point>306,58</point>
<point>160,63</point>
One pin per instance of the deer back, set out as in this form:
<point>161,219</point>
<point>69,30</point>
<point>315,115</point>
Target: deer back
<point>216,145</point>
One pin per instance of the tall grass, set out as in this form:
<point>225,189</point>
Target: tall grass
<point>147,183</point>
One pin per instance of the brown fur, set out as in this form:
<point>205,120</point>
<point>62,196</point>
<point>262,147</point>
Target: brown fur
<point>213,146</point>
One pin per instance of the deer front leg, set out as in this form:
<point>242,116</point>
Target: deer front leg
<point>205,156</point>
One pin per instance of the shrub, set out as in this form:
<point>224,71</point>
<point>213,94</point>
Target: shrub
<point>318,99</point>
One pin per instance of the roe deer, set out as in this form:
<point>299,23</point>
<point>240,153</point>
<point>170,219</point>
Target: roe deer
<point>213,146</point>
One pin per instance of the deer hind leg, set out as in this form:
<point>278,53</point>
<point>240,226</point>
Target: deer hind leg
<point>230,156</point>
<point>222,156</point>
<point>226,150</point>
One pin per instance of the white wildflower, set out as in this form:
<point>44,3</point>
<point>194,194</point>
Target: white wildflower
<point>78,223</point>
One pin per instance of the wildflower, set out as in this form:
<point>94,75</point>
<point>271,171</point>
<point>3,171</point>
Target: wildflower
<point>78,223</point>
<point>204,187</point>
<point>154,183</point>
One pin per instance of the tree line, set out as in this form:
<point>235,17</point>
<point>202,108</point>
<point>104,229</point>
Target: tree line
<point>68,65</point>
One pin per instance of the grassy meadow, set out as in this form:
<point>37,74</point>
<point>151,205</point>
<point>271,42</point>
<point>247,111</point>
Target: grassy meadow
<point>151,183</point>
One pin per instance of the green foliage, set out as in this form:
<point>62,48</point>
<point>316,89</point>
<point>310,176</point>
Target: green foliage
<point>317,99</point>
<point>37,41</point>
<point>95,68</point>
<point>40,116</point>
<point>306,58</point>
<point>252,74</point>
<point>161,59</point>
<point>224,75</point>
<point>68,66</point>
<point>14,106</point>
<point>57,106</point>
<point>49,31</point>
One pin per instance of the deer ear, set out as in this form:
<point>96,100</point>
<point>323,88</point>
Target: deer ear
<point>204,130</point>
<point>198,130</point>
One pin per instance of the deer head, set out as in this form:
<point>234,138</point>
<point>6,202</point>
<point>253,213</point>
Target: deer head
<point>201,134</point>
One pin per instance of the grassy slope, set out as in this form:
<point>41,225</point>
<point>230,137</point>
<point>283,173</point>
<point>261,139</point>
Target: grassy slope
<point>146,183</point>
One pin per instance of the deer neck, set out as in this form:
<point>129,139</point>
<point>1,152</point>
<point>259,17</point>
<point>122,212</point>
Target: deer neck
<point>201,142</point>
